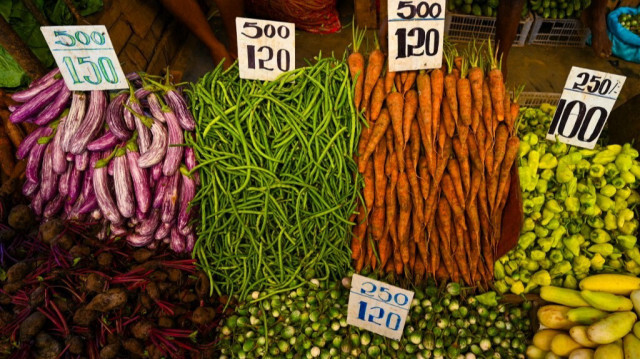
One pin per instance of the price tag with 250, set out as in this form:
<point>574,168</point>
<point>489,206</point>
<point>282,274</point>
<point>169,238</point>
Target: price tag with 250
<point>587,100</point>
<point>85,57</point>
<point>415,34</point>
<point>265,48</point>
<point>378,307</point>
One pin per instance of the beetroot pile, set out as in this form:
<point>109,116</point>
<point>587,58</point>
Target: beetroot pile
<point>69,295</point>
<point>115,158</point>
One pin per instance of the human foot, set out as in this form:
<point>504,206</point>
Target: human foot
<point>595,19</point>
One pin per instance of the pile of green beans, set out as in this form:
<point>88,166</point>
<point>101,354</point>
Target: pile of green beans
<point>277,176</point>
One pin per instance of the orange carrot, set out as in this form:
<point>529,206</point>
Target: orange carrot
<point>450,193</point>
<point>434,249</point>
<point>481,137</point>
<point>415,144</point>
<point>397,260</point>
<point>389,81</point>
<point>437,90</point>
<point>384,248</point>
<point>379,163</point>
<point>425,119</point>
<point>416,193</point>
<point>355,62</point>
<point>447,119</point>
<point>412,255</point>
<point>427,143</point>
<point>410,109</point>
<point>408,83</point>
<point>454,171</point>
<point>370,257</point>
<point>369,186</point>
<point>515,112</point>
<point>424,177</point>
<point>472,264</point>
<point>458,62</point>
<point>391,199</point>
<point>375,136</point>
<point>373,72</point>
<point>358,233</point>
<point>463,133</point>
<point>430,207</point>
<point>476,77</point>
<point>474,232</point>
<point>419,268</point>
<point>474,153</point>
<point>377,99</point>
<point>445,233</point>
<point>487,111</point>
<point>496,83</point>
<point>13,131</point>
<point>475,120</point>
<point>513,146</point>
<point>364,137</point>
<point>389,140</point>
<point>463,88</point>
<point>450,84</point>
<point>403,77</point>
<point>500,146</point>
<point>507,112</point>
<point>462,154</point>
<point>442,137</point>
<point>404,215</point>
<point>377,222</point>
<point>395,104</point>
<point>398,82</point>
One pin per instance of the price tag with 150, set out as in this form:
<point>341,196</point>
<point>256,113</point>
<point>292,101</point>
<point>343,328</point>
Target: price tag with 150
<point>266,49</point>
<point>85,57</point>
<point>587,100</point>
<point>415,34</point>
<point>378,307</point>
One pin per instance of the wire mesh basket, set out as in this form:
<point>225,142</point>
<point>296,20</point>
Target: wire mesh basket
<point>558,32</point>
<point>535,99</point>
<point>464,28</point>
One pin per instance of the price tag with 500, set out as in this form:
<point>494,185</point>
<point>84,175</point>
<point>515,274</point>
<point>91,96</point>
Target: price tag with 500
<point>265,48</point>
<point>85,57</point>
<point>378,307</point>
<point>587,100</point>
<point>415,34</point>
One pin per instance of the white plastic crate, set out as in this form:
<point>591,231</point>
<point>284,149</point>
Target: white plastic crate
<point>464,28</point>
<point>535,99</point>
<point>558,32</point>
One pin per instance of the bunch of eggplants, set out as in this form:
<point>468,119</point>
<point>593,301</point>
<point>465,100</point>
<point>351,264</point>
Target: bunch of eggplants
<point>117,158</point>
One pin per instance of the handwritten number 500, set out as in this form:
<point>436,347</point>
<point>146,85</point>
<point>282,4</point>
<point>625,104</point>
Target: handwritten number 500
<point>80,37</point>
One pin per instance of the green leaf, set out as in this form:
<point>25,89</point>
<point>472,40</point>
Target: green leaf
<point>11,74</point>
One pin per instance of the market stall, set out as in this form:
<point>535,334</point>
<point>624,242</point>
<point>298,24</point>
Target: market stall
<point>398,198</point>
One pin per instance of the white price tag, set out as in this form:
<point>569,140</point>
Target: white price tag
<point>378,307</point>
<point>416,29</point>
<point>265,48</point>
<point>587,100</point>
<point>85,57</point>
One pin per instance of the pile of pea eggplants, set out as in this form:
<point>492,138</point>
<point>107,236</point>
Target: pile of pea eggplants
<point>116,158</point>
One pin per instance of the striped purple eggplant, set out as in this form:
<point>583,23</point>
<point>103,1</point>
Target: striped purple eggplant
<point>36,87</point>
<point>174,152</point>
<point>190,162</point>
<point>37,204</point>
<point>30,141</point>
<point>88,204</point>
<point>178,242</point>
<point>74,119</point>
<point>110,168</point>
<point>53,110</point>
<point>156,172</point>
<point>92,122</point>
<point>137,240</point>
<point>140,179</point>
<point>59,157</point>
<point>170,200</point>
<point>118,231</point>
<point>63,184</point>
<point>132,76</point>
<point>187,192</point>
<point>160,190</point>
<point>30,188</point>
<point>37,103</point>
<point>114,117</point>
<point>156,151</point>
<point>144,135</point>
<point>191,242</point>
<point>103,195</point>
<point>163,231</point>
<point>54,206</point>
<point>150,224</point>
<point>82,160</point>
<point>179,106</point>
<point>155,107</point>
<point>105,142</point>
<point>87,186</point>
<point>75,184</point>
<point>123,187</point>
<point>34,161</point>
<point>48,178</point>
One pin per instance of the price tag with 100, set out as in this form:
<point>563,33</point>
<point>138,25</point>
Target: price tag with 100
<point>587,99</point>
<point>415,34</point>
<point>85,57</point>
<point>378,307</point>
<point>266,49</point>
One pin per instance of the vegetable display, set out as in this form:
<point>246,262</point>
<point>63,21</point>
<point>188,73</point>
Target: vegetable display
<point>559,9</point>
<point>122,160</point>
<point>69,295</point>
<point>578,205</point>
<point>603,326</point>
<point>474,7</point>
<point>311,322</point>
<point>277,173</point>
<point>630,22</point>
<point>437,165</point>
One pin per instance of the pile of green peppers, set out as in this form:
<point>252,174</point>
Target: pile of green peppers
<point>559,9</point>
<point>579,211</point>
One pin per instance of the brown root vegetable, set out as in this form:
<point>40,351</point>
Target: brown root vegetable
<point>110,300</point>
<point>47,347</point>
<point>133,346</point>
<point>84,316</point>
<point>18,271</point>
<point>75,343</point>
<point>21,217</point>
<point>375,137</point>
<point>95,283</point>
<point>203,315</point>
<point>31,326</point>
<point>110,351</point>
<point>142,255</point>
<point>141,329</point>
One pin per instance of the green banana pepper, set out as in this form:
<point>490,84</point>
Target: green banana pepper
<point>629,227</point>
<point>597,262</point>
<point>596,170</point>
<point>611,170</point>
<point>528,225</point>
<point>599,236</point>
<point>623,162</point>
<point>581,264</point>
<point>498,270</point>
<point>572,204</point>
<point>560,269</point>
<point>595,222</point>
<point>547,174</point>
<point>537,255</point>
<point>610,221</point>
<point>572,244</point>
<point>608,190</point>
<point>548,161</point>
<point>556,256</point>
<point>605,203</point>
<point>605,249</point>
<point>570,282</point>
<point>526,239</point>
<point>628,177</point>
<point>634,254</point>
<point>545,243</point>
<point>626,241</point>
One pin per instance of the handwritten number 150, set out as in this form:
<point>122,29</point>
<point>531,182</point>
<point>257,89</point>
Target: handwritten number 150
<point>103,68</point>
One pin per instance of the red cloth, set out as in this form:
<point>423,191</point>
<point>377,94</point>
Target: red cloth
<point>317,16</point>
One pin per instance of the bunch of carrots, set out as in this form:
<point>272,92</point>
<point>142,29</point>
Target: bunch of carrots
<point>436,160</point>
<point>11,135</point>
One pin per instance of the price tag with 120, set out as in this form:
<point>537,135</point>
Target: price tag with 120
<point>85,57</point>
<point>378,307</point>
<point>266,49</point>
<point>587,99</point>
<point>416,29</point>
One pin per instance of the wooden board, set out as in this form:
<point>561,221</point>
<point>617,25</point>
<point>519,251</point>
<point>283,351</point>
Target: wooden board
<point>366,13</point>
